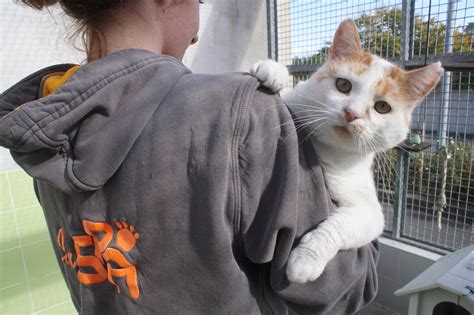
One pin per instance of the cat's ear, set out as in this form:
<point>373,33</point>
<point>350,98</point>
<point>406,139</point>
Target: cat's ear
<point>421,81</point>
<point>346,40</point>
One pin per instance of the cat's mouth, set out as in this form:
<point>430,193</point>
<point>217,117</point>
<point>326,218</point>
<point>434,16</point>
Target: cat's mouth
<point>343,132</point>
<point>349,130</point>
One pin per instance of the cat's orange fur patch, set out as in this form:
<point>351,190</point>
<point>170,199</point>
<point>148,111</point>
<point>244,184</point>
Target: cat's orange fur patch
<point>395,86</point>
<point>399,77</point>
<point>383,87</point>
<point>367,113</point>
<point>359,62</point>
<point>362,61</point>
<point>399,81</point>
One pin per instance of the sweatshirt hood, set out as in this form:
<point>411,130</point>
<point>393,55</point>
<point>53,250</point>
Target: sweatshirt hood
<point>73,126</point>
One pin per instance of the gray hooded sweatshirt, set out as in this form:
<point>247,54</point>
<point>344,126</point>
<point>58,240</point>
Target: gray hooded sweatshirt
<point>168,192</point>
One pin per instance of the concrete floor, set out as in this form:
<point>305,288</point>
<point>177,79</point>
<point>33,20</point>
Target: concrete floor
<point>377,309</point>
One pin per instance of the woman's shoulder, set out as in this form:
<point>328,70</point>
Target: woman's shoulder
<point>236,100</point>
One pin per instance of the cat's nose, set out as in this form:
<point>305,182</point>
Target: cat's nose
<point>350,116</point>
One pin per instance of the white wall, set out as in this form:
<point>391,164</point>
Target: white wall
<point>233,35</point>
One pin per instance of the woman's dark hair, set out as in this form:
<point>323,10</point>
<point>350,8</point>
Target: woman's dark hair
<point>81,10</point>
<point>86,13</point>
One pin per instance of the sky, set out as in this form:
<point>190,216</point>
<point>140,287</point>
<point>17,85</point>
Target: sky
<point>313,22</point>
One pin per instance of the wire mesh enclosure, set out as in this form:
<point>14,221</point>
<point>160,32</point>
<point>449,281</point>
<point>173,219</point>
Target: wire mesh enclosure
<point>426,186</point>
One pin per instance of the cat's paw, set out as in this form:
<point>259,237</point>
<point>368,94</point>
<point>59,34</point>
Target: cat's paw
<point>304,265</point>
<point>272,74</point>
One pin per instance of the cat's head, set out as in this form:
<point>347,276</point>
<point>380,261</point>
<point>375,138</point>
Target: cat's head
<point>364,98</point>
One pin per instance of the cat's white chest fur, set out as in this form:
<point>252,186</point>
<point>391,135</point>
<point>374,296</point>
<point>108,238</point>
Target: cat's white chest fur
<point>348,177</point>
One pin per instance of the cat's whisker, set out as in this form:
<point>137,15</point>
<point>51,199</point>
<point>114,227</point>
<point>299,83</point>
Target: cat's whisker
<point>374,146</point>
<point>368,148</point>
<point>357,142</point>
<point>365,147</point>
<point>392,166</point>
<point>301,123</point>
<point>297,120</point>
<point>382,174</point>
<point>382,171</point>
<point>303,95</point>
<point>384,168</point>
<point>300,105</point>
<point>309,113</point>
<point>379,170</point>
<point>310,122</point>
<point>326,110</point>
<point>385,159</point>
<point>310,98</point>
<point>305,124</point>
<point>386,172</point>
<point>314,111</point>
<point>313,131</point>
<point>307,121</point>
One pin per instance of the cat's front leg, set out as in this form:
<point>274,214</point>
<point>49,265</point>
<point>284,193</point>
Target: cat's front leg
<point>272,74</point>
<point>347,228</point>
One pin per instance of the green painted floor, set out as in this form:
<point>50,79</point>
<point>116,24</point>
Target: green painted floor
<point>30,280</point>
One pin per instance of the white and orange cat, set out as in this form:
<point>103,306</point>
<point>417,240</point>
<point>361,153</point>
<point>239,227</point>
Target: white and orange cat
<point>355,105</point>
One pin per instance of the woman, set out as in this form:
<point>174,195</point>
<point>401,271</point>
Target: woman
<point>170,192</point>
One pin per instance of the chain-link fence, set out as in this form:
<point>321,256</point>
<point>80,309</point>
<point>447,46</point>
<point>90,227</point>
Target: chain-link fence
<point>426,187</point>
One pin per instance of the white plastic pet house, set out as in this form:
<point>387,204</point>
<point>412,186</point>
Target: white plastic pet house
<point>445,288</point>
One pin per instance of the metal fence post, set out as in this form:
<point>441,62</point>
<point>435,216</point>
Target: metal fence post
<point>407,33</point>
<point>411,29</point>
<point>446,83</point>
<point>446,88</point>
<point>403,156</point>
<point>272,29</point>
<point>400,193</point>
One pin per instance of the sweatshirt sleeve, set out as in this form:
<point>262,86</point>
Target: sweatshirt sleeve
<point>283,196</point>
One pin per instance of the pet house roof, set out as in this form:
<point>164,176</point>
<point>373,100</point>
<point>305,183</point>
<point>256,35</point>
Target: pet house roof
<point>453,273</point>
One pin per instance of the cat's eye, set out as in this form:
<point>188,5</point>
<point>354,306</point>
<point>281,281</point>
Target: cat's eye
<point>382,107</point>
<point>343,85</point>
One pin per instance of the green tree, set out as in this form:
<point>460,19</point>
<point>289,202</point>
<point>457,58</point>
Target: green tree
<point>381,32</point>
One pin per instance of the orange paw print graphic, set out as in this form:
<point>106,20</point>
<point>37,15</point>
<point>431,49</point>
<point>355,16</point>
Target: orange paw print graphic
<point>126,236</point>
<point>107,262</point>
